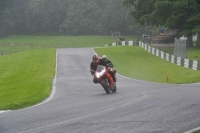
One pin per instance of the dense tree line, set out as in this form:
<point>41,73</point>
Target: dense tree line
<point>69,17</point>
<point>181,15</point>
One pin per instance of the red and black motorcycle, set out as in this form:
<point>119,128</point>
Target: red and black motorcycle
<point>105,79</point>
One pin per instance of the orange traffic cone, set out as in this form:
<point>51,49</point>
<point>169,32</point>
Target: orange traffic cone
<point>167,79</point>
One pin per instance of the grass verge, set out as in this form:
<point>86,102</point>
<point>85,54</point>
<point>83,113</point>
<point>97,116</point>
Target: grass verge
<point>12,44</point>
<point>26,78</point>
<point>192,53</point>
<point>135,62</point>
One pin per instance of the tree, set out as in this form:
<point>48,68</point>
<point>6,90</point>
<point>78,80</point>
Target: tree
<point>186,15</point>
<point>13,17</point>
<point>41,16</point>
<point>174,14</point>
<point>82,18</point>
<point>72,17</point>
<point>196,20</point>
<point>3,5</point>
<point>115,17</point>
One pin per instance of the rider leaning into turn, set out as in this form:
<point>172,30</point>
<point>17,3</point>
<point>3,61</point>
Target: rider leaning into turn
<point>105,62</point>
<point>93,65</point>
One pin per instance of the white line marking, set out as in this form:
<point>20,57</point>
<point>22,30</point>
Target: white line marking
<point>193,130</point>
<point>3,111</point>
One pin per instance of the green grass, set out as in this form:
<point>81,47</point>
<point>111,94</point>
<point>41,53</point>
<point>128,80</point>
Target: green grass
<point>191,52</point>
<point>10,49</point>
<point>27,66</point>
<point>26,78</point>
<point>58,41</point>
<point>14,44</point>
<point>35,42</point>
<point>137,63</point>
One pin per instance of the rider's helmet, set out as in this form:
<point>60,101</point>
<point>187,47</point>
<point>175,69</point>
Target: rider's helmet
<point>95,58</point>
<point>104,57</point>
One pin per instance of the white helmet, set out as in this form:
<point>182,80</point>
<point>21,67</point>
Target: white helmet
<point>104,57</point>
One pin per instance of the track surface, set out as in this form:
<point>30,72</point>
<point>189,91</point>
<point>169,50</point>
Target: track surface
<point>80,106</point>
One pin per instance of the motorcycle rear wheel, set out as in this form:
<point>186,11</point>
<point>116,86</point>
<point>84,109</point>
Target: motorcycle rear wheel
<point>114,89</point>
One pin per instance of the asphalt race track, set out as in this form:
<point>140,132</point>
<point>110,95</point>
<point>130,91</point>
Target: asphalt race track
<point>80,106</point>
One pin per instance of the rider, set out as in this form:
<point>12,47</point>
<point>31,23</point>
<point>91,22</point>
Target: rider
<point>93,66</point>
<point>110,64</point>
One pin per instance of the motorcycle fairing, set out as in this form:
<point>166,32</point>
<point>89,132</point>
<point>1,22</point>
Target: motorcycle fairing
<point>101,70</point>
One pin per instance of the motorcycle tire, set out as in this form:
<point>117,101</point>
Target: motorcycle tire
<point>105,85</point>
<point>114,89</point>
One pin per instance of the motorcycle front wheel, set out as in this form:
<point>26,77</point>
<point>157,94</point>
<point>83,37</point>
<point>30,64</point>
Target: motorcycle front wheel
<point>105,85</point>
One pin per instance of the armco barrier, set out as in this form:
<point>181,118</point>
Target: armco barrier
<point>173,59</point>
<point>195,65</point>
<point>124,43</point>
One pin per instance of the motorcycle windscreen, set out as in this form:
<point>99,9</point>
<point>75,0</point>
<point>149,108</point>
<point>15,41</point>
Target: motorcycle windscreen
<point>100,68</point>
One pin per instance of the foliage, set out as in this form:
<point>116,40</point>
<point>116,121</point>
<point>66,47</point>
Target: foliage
<point>66,17</point>
<point>80,18</point>
<point>181,15</point>
<point>12,19</point>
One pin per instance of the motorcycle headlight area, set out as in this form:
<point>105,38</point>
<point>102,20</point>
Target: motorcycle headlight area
<point>99,74</point>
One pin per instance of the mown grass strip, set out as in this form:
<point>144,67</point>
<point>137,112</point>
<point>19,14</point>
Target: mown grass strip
<point>61,41</point>
<point>26,78</point>
<point>135,62</point>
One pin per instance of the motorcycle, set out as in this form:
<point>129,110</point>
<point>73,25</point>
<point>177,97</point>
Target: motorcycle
<point>105,79</point>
